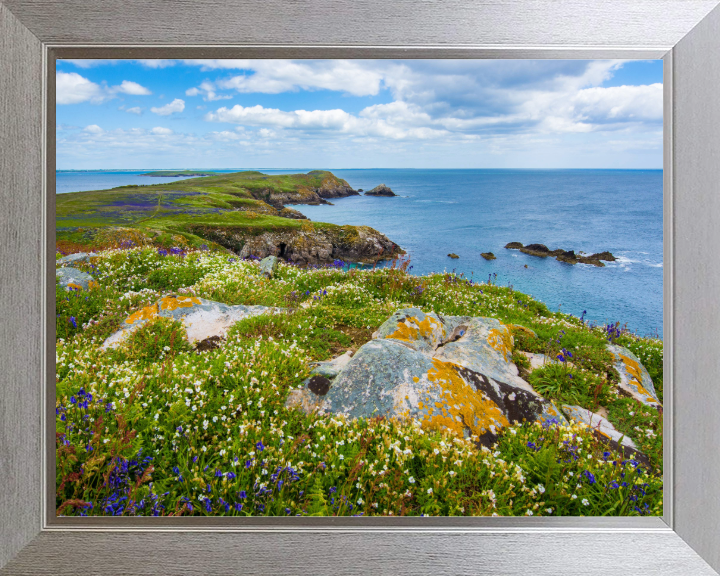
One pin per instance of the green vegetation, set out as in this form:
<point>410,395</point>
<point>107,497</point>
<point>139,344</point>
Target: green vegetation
<point>249,202</point>
<point>156,427</point>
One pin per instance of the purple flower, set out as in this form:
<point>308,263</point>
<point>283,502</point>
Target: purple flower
<point>73,322</point>
<point>260,447</point>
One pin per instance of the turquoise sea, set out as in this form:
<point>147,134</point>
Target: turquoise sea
<point>472,211</point>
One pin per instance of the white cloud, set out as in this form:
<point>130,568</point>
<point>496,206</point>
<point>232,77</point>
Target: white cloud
<point>157,63</point>
<point>330,121</point>
<point>93,129</point>
<point>176,105</point>
<point>631,103</point>
<point>161,131</point>
<point>135,110</point>
<point>71,88</point>
<point>208,91</point>
<point>132,88</point>
<point>276,76</point>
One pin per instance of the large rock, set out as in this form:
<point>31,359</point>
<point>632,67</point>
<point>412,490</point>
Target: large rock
<point>381,190</point>
<point>268,265</point>
<point>387,378</point>
<point>452,372</point>
<point>605,432</point>
<point>634,378</point>
<point>203,319</point>
<point>76,258</point>
<point>310,397</point>
<point>74,279</point>
<point>305,246</point>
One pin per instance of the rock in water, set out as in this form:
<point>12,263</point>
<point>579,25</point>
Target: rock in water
<point>202,318</point>
<point>514,245</point>
<point>268,265</point>
<point>634,378</point>
<point>453,255</point>
<point>381,190</point>
<point>605,432</point>
<point>74,279</point>
<point>488,255</point>
<point>451,372</point>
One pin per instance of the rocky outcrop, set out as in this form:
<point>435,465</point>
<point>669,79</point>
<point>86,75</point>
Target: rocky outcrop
<point>330,187</point>
<point>567,256</point>
<point>488,255</point>
<point>453,256</point>
<point>203,319</point>
<point>450,372</point>
<point>76,258</point>
<point>381,190</point>
<point>74,279</point>
<point>307,245</point>
<point>605,432</point>
<point>268,266</point>
<point>635,381</point>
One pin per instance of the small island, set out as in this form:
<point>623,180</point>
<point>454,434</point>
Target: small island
<point>174,173</point>
<point>381,190</point>
<point>567,256</point>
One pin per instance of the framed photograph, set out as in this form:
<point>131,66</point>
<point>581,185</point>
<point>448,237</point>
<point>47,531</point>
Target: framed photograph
<point>292,308</point>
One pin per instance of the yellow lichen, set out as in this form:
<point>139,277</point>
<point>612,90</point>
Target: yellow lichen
<point>633,369</point>
<point>502,341</point>
<point>410,329</point>
<point>173,303</point>
<point>74,286</point>
<point>143,314</point>
<point>461,407</point>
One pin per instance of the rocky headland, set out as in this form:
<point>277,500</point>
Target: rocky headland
<point>567,256</point>
<point>246,212</point>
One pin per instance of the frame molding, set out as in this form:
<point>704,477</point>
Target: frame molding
<point>34,32</point>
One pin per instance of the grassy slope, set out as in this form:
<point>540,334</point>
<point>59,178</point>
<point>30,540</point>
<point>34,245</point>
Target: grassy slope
<point>222,441</point>
<point>210,200</point>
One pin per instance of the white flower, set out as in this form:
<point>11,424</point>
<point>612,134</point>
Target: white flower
<point>429,491</point>
<point>529,513</point>
<point>549,510</point>
<point>585,502</point>
<point>574,497</point>
<point>360,501</point>
<point>541,488</point>
<point>411,480</point>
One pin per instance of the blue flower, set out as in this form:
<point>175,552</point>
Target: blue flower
<point>260,446</point>
<point>243,494</point>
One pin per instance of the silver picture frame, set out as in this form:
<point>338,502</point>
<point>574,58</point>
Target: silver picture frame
<point>685,33</point>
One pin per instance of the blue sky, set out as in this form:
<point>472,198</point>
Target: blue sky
<point>359,114</point>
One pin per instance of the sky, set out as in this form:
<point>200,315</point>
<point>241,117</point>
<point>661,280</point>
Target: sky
<point>332,114</point>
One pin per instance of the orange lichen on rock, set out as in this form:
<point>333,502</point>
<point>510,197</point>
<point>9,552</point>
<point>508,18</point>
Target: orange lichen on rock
<point>146,313</point>
<point>173,303</point>
<point>410,329</point>
<point>633,368</point>
<point>74,286</point>
<point>461,407</point>
<point>502,341</point>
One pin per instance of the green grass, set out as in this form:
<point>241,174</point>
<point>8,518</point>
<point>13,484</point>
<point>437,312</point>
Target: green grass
<point>238,201</point>
<point>155,427</point>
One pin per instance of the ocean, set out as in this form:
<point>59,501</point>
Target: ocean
<point>467,212</point>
